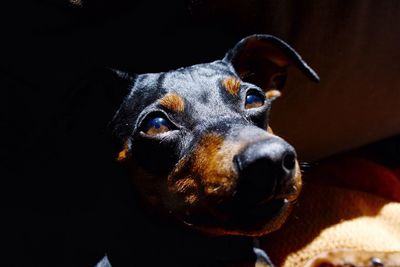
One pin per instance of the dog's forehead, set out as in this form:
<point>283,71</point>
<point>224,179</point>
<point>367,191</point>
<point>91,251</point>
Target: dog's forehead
<point>198,91</point>
<point>199,82</point>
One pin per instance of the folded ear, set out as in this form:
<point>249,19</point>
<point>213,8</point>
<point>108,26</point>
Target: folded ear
<point>263,60</point>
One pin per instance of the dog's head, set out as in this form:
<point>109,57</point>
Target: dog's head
<point>198,144</point>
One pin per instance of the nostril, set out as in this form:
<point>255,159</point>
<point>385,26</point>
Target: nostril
<point>257,181</point>
<point>289,161</point>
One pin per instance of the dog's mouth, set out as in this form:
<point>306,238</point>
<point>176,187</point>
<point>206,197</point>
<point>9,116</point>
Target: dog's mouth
<point>246,213</point>
<point>262,212</point>
<point>256,220</point>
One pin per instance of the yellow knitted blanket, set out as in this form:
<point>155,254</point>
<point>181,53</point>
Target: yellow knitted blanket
<point>328,218</point>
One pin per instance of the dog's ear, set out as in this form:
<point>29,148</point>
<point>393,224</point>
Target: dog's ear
<point>119,84</point>
<point>263,60</point>
<point>122,84</point>
<point>124,76</point>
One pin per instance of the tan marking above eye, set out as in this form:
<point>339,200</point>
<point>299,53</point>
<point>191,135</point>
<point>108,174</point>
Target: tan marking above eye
<point>173,102</point>
<point>272,94</point>
<point>232,85</point>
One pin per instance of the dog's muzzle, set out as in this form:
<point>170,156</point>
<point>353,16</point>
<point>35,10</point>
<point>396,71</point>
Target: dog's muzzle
<point>265,168</point>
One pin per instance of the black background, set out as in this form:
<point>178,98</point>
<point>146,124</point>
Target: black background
<point>64,200</point>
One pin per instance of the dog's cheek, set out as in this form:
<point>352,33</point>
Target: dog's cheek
<point>184,195</point>
<point>184,188</point>
<point>151,188</point>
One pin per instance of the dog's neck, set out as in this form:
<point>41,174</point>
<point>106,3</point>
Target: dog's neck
<point>169,244</point>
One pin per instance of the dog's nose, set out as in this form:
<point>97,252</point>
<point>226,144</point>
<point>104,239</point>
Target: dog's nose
<point>263,167</point>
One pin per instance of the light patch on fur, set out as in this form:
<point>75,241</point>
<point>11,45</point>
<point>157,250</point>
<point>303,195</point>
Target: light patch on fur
<point>262,258</point>
<point>272,94</point>
<point>185,187</point>
<point>124,153</point>
<point>173,102</point>
<point>76,2</point>
<point>232,85</point>
<point>191,199</point>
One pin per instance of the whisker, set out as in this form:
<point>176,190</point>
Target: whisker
<point>306,166</point>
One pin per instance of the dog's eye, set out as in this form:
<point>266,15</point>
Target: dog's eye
<point>254,100</point>
<point>157,125</point>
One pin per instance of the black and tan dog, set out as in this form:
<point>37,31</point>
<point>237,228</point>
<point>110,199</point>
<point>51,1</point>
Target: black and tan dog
<point>198,144</point>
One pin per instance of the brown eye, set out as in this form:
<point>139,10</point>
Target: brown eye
<point>254,100</point>
<point>157,125</point>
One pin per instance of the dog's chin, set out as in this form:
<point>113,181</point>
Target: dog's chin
<point>256,221</point>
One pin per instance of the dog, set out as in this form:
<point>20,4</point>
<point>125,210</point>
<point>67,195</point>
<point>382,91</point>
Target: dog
<point>198,145</point>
